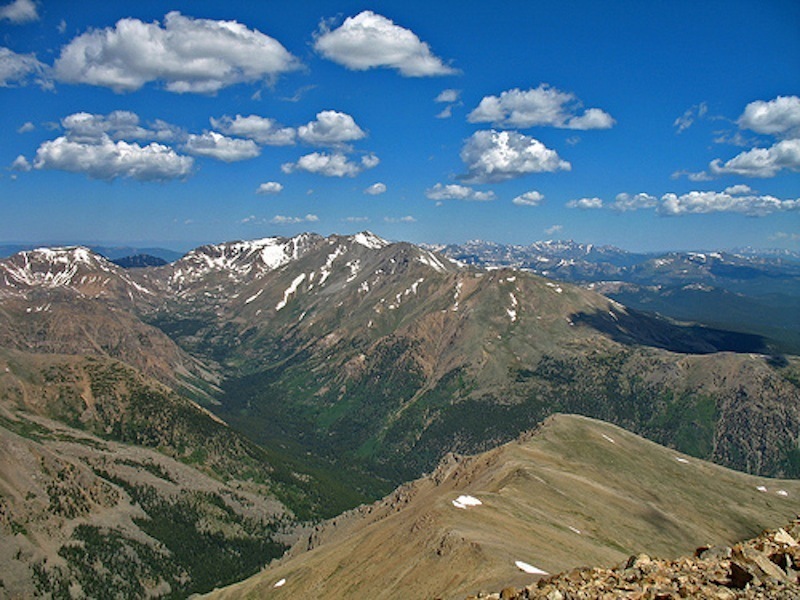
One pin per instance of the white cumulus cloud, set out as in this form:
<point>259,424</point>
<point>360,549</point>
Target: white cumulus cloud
<point>778,117</point>
<point>85,127</point>
<point>331,128</point>
<point>452,98</point>
<point>448,96</point>
<point>269,188</point>
<point>541,106</point>
<point>445,113</point>
<point>554,229</point>
<point>26,127</point>
<point>20,164</point>
<point>628,202</point>
<point>376,189</point>
<point>284,220</point>
<point>267,132</point>
<point>119,124</point>
<point>331,165</point>
<point>688,118</point>
<point>493,156</point>
<point>186,54</point>
<point>454,191</point>
<point>19,11</point>
<point>370,40</point>
<point>221,147</point>
<point>734,199</point>
<point>713,202</point>
<point>104,158</point>
<point>739,189</point>
<point>15,69</point>
<point>757,162</point>
<point>370,161</point>
<point>532,198</point>
<point>592,118</point>
<point>586,203</point>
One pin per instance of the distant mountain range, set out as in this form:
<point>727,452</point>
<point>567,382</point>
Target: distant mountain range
<point>139,261</point>
<point>315,374</point>
<point>747,290</point>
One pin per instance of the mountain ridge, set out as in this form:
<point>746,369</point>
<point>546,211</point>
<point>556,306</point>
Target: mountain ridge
<point>430,340</point>
<point>574,491</point>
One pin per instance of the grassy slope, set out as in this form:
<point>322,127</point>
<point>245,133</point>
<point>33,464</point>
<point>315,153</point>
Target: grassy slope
<point>98,462</point>
<point>78,512</point>
<point>625,497</point>
<point>114,401</point>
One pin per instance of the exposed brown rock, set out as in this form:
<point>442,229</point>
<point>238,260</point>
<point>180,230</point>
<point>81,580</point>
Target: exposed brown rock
<point>764,567</point>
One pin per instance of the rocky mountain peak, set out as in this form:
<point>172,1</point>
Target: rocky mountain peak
<point>242,258</point>
<point>52,267</point>
<point>73,268</point>
<point>369,240</point>
<point>247,268</point>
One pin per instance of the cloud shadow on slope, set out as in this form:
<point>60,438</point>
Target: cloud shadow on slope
<point>634,327</point>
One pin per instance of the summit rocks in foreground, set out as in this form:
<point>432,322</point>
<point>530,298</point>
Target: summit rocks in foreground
<point>767,566</point>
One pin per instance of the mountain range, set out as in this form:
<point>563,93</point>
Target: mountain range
<point>747,290</point>
<point>290,379</point>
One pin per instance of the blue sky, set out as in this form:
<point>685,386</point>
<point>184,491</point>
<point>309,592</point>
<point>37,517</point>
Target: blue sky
<point>647,125</point>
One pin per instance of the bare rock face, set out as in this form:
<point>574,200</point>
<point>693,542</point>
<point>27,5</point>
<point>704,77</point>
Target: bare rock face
<point>767,566</point>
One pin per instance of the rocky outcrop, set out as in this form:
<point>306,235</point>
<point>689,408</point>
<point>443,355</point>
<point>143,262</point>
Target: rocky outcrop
<point>767,566</point>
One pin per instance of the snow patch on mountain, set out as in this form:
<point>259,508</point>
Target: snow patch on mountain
<point>457,294</point>
<point>254,296</point>
<point>66,267</point>
<point>240,260</point>
<point>327,269</point>
<point>512,312</point>
<point>464,502</point>
<point>290,291</point>
<point>558,289</point>
<point>412,290</point>
<point>430,259</point>
<point>370,240</point>
<point>528,568</point>
<point>355,267</point>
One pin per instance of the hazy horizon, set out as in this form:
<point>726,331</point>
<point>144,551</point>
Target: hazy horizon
<point>183,247</point>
